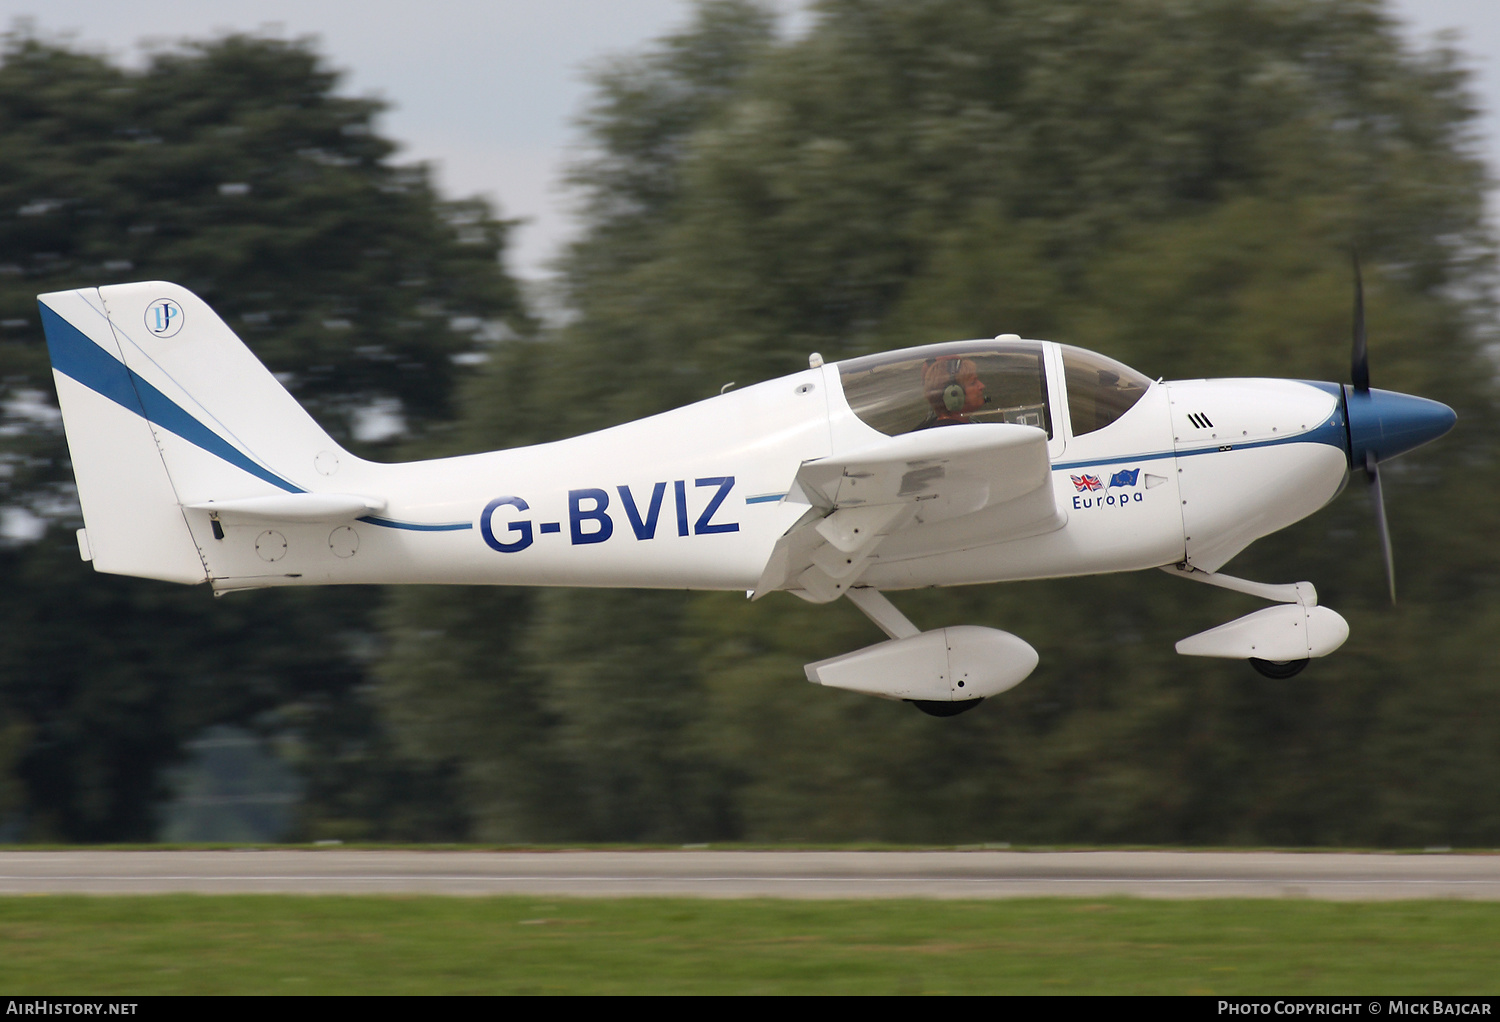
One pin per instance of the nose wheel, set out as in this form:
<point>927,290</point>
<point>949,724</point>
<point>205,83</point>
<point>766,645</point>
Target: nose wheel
<point>1278,668</point>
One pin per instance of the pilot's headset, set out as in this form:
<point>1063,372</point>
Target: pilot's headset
<point>942,381</point>
<point>953,392</point>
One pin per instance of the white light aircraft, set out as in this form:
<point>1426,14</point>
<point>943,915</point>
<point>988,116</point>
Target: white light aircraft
<point>967,462</point>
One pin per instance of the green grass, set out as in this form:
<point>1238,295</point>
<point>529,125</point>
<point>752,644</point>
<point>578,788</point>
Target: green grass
<point>188,944</point>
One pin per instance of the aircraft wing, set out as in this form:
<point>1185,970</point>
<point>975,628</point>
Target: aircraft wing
<point>906,484</point>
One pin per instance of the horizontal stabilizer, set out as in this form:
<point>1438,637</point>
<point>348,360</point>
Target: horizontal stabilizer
<point>295,507</point>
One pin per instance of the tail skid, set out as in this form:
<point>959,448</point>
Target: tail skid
<point>175,428</point>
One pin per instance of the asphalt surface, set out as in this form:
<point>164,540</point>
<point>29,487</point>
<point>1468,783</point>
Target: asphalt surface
<point>736,874</point>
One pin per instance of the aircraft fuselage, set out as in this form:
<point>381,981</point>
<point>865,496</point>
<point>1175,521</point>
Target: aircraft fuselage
<point>696,497</point>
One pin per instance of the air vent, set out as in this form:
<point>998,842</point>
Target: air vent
<point>1200,420</point>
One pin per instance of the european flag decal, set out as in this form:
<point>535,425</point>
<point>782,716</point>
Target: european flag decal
<point>1125,477</point>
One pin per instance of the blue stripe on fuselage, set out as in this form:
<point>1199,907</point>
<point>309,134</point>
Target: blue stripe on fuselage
<point>391,523</point>
<point>1330,431</point>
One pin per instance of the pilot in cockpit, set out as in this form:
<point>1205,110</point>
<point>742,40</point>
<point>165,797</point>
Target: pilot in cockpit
<point>953,390</point>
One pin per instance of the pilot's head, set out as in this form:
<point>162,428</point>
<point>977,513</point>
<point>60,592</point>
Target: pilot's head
<point>952,386</point>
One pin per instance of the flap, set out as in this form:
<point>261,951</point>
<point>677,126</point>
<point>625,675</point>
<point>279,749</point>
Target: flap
<point>903,483</point>
<point>973,466</point>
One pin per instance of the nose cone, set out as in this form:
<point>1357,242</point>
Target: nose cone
<point>1388,424</point>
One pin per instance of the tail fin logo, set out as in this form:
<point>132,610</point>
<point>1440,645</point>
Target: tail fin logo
<point>164,318</point>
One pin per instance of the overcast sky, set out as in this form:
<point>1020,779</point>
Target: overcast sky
<point>487,89</point>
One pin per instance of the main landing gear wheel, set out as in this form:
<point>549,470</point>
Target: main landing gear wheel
<point>936,708</point>
<point>1278,668</point>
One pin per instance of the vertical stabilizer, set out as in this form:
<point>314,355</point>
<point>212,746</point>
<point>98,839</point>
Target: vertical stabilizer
<point>166,409</point>
<point>131,511</point>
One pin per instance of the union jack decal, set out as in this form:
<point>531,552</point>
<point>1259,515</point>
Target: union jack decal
<point>1086,482</point>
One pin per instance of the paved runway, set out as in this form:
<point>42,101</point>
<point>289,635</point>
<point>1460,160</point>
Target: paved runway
<point>734,874</point>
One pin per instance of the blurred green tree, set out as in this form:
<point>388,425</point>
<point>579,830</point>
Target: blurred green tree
<point>1178,185</point>
<point>231,166</point>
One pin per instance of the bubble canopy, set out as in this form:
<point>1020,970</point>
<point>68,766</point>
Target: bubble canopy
<point>986,381</point>
<point>1100,390</point>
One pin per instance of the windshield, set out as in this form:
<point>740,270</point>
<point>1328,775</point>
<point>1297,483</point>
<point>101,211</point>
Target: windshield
<point>949,384</point>
<point>1100,390</point>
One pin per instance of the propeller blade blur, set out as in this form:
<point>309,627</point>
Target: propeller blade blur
<point>1360,363</point>
<point>1377,498</point>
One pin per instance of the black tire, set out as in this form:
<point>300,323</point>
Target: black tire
<point>1278,669</point>
<point>934,708</point>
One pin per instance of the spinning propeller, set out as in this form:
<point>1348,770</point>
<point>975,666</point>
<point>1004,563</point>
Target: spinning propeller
<point>1382,424</point>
